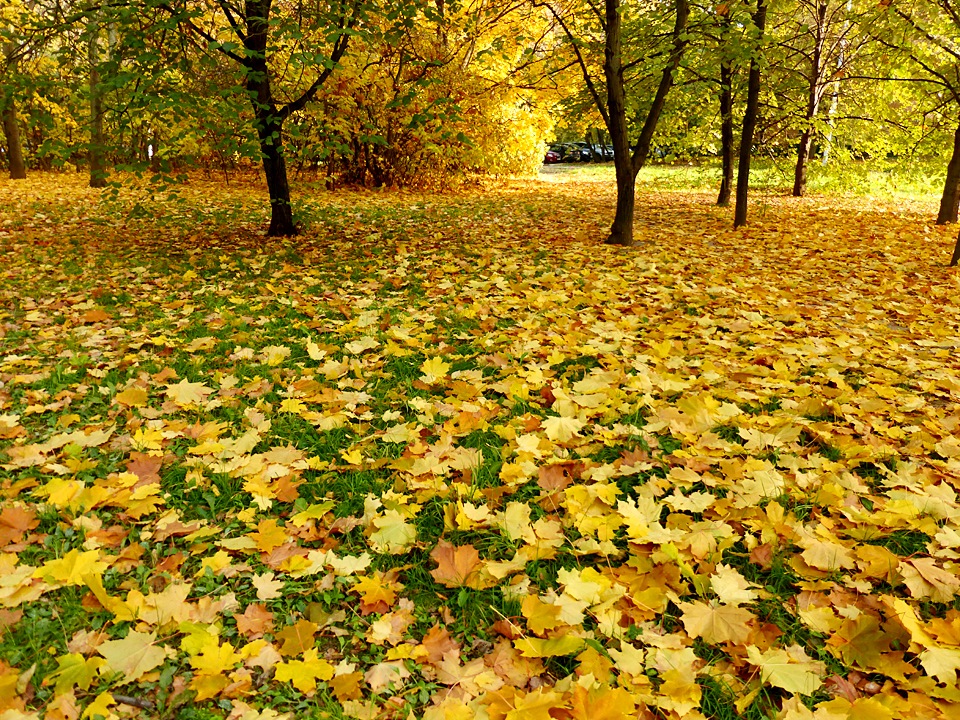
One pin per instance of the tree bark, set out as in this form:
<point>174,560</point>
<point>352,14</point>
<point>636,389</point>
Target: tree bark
<point>749,120</point>
<point>726,131</point>
<point>11,130</point>
<point>626,165</point>
<point>950,199</point>
<point>11,134</point>
<point>275,169</point>
<point>621,231</point>
<point>813,105</point>
<point>269,122</point>
<point>98,174</point>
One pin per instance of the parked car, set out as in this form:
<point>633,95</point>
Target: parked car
<point>568,152</point>
<point>551,157</point>
<point>588,152</point>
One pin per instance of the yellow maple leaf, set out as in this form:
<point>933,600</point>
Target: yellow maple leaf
<point>926,580</point>
<point>393,533</point>
<point>305,673</point>
<point>373,589</point>
<point>731,587</point>
<point>73,670</point>
<point>551,647</point>
<point>433,370</point>
<point>70,569</point>
<point>540,616</point>
<point>215,659</point>
<point>562,429</point>
<point>269,535</point>
<point>134,656</point>
<point>677,693</point>
<point>187,394</point>
<point>146,438</point>
<point>827,555</point>
<point>793,672</point>
<point>716,623</point>
<point>100,707</point>
<point>267,587</point>
<point>133,396</point>
<point>942,663</point>
<point>537,705</point>
<point>276,354</point>
<point>602,703</point>
<point>208,686</point>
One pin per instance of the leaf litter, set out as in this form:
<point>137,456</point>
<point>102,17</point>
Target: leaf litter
<point>447,455</point>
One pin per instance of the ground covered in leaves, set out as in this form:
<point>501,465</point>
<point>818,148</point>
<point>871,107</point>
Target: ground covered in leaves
<point>450,457</point>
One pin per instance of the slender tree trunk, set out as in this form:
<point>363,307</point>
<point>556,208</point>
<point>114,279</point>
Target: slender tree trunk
<point>679,45</point>
<point>11,134</point>
<point>951,187</point>
<point>98,174</point>
<point>626,165</point>
<point>275,168</point>
<point>726,132</point>
<point>11,130</point>
<point>749,119</point>
<point>621,231</point>
<point>813,105</point>
<point>269,123</point>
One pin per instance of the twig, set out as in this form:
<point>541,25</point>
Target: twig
<point>133,701</point>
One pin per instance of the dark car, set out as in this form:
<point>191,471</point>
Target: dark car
<point>583,151</point>
<point>568,152</point>
<point>551,157</point>
<point>596,153</point>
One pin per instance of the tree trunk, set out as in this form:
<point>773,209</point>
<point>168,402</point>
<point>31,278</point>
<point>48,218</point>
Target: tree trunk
<point>275,168</point>
<point>11,130</point>
<point>749,120</point>
<point>813,105</point>
<point>951,187</point>
<point>627,166</point>
<point>621,231</point>
<point>98,174</point>
<point>956,253</point>
<point>269,123</point>
<point>11,134</point>
<point>726,132</point>
<point>803,156</point>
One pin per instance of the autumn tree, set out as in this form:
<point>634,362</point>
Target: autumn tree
<point>283,54</point>
<point>823,42</point>
<point>926,32</point>
<point>413,108</point>
<point>10,54</point>
<point>623,56</point>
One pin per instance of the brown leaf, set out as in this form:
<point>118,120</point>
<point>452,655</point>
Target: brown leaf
<point>297,638</point>
<point>15,522</point>
<point>553,478</point>
<point>762,555</point>
<point>437,642</point>
<point>146,467</point>
<point>255,621</point>
<point>455,565</point>
<point>841,687</point>
<point>347,686</point>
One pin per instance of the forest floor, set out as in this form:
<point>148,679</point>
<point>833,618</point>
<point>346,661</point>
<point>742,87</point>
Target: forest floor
<point>449,455</point>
